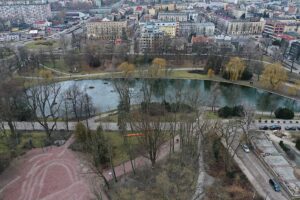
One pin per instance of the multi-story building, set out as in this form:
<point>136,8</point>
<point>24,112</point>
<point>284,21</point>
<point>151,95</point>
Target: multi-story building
<point>105,29</point>
<point>188,28</point>
<point>169,7</point>
<point>294,52</point>
<point>292,27</point>
<point>173,16</point>
<point>231,26</point>
<point>273,28</point>
<point>28,11</point>
<point>151,38</point>
<point>169,28</point>
<point>245,27</point>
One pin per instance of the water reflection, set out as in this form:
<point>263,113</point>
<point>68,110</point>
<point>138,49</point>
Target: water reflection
<point>105,97</point>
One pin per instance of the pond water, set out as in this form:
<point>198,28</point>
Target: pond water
<point>106,98</point>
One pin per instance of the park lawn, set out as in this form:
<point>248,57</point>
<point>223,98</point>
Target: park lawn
<point>60,65</point>
<point>37,138</point>
<point>42,44</point>
<point>3,147</point>
<point>7,153</point>
<point>211,115</point>
<point>186,74</point>
<point>119,150</point>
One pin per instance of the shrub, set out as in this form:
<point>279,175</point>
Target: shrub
<point>282,145</point>
<point>81,132</point>
<point>246,75</point>
<point>99,147</point>
<point>156,109</point>
<point>179,107</point>
<point>4,161</point>
<point>238,111</point>
<point>226,111</point>
<point>298,143</point>
<point>284,113</point>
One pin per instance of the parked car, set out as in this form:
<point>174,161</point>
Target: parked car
<point>275,185</point>
<point>245,148</point>
<point>275,127</point>
<point>290,128</point>
<point>265,127</point>
<point>298,127</point>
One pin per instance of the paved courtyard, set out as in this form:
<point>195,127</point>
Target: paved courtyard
<point>50,174</point>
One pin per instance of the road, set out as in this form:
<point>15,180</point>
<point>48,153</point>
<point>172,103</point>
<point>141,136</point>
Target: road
<point>258,175</point>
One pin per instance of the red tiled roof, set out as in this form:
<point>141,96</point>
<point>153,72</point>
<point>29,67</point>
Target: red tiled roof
<point>139,8</point>
<point>285,37</point>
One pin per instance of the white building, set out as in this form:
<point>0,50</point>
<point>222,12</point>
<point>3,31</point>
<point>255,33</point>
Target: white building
<point>150,38</point>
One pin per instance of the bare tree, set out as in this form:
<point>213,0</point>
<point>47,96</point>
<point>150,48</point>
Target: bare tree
<point>153,130</point>
<point>88,108</point>
<point>80,103</point>
<point>12,106</point>
<point>64,42</point>
<point>266,43</point>
<point>51,55</point>
<point>44,102</point>
<point>73,94</point>
<point>215,94</point>
<point>247,119</point>
<point>229,134</point>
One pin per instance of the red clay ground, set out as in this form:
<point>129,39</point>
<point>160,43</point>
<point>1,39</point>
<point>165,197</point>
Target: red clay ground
<point>57,174</point>
<point>53,174</point>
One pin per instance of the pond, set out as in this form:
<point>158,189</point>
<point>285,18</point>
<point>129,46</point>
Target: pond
<point>106,98</point>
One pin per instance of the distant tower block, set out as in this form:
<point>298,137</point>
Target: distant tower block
<point>98,3</point>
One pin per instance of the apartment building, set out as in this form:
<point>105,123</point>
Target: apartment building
<point>169,28</point>
<point>151,38</point>
<point>244,27</point>
<point>230,26</point>
<point>173,16</point>
<point>273,28</point>
<point>188,28</point>
<point>294,52</point>
<point>105,29</point>
<point>29,11</point>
